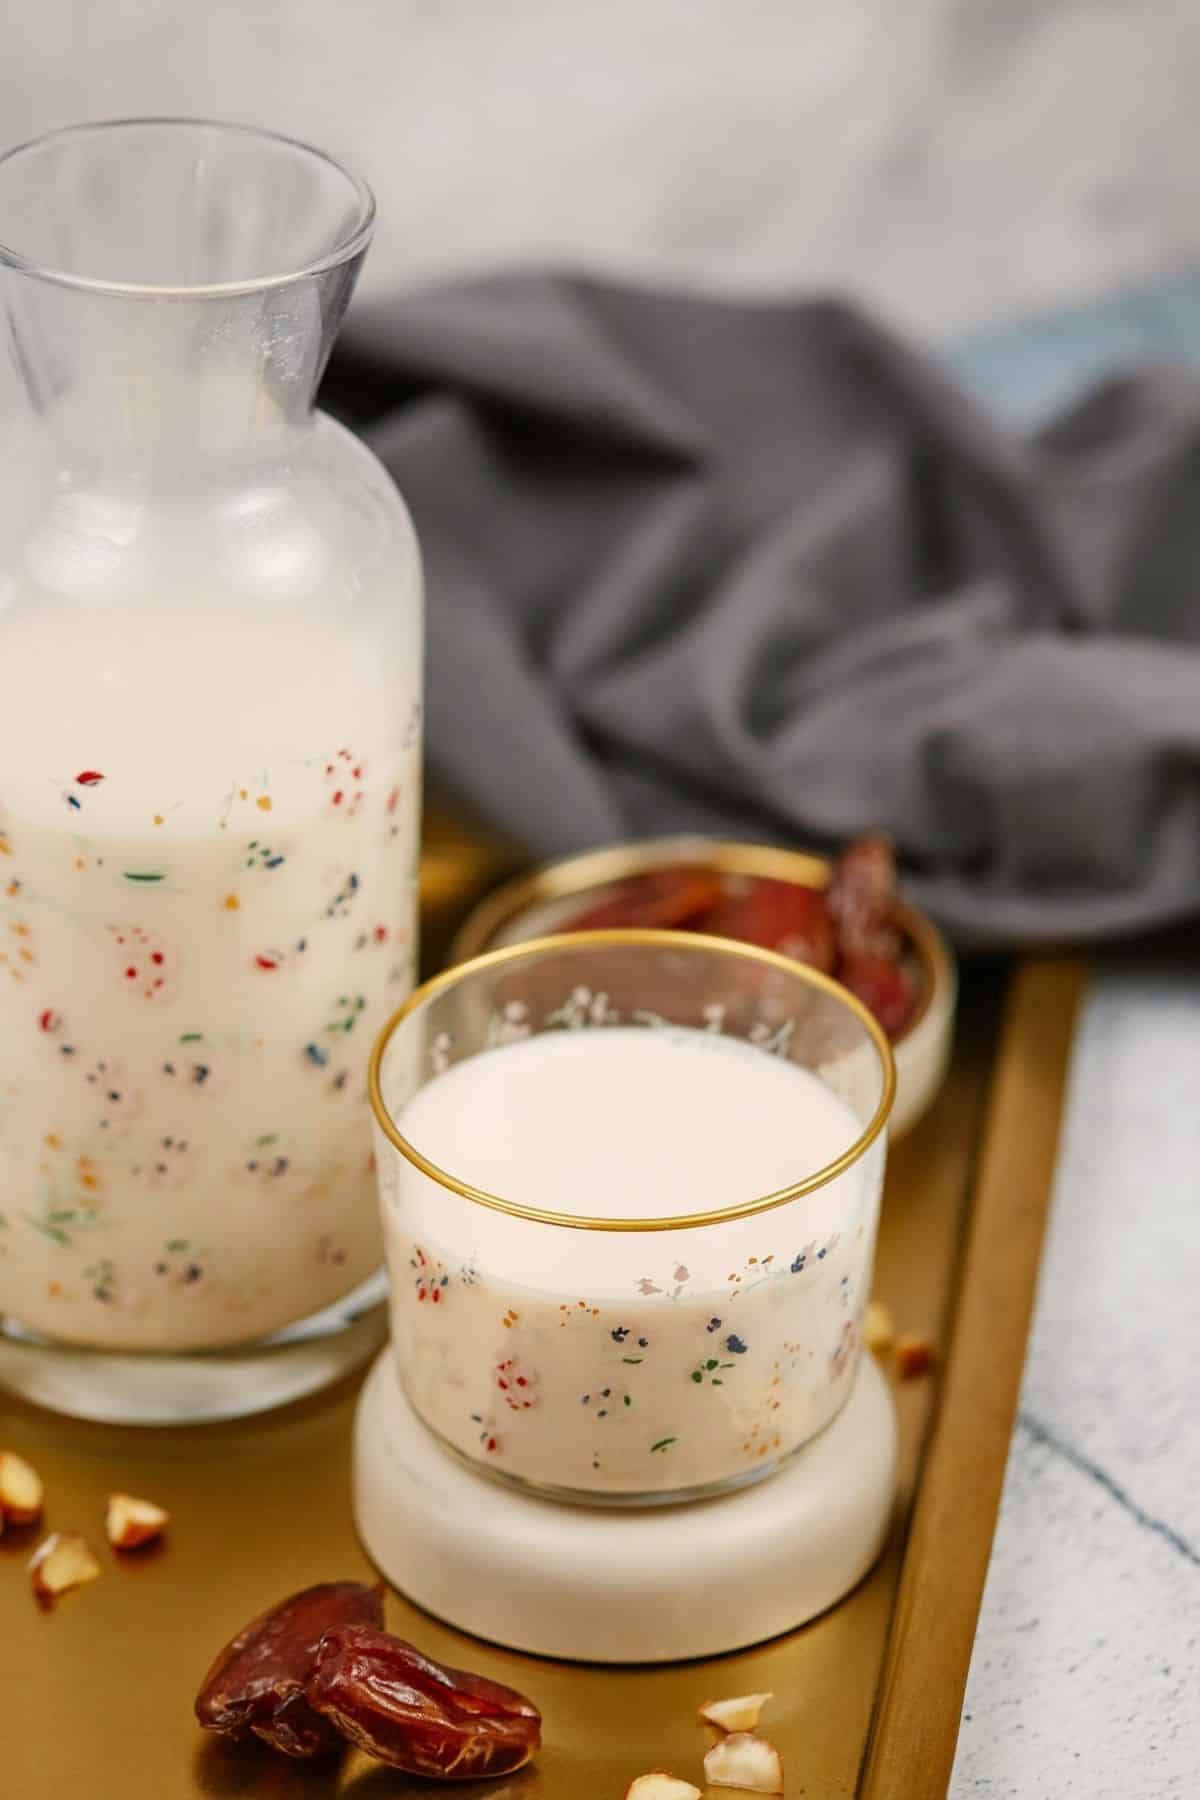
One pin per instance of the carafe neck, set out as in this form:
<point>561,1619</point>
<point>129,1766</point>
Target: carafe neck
<point>137,382</point>
<point>172,288</point>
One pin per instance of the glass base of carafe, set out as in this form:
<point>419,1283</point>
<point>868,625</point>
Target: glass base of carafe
<point>124,1387</point>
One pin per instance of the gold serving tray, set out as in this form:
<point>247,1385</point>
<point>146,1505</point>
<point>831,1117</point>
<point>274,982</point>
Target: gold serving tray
<point>95,1697</point>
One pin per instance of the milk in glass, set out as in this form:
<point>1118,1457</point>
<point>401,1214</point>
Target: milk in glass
<point>208,826</point>
<point>618,1363</point>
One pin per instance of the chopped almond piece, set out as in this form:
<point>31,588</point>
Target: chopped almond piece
<point>60,1562</point>
<point>21,1493</point>
<point>657,1786</point>
<point>879,1327</point>
<point>744,1761</point>
<point>914,1355</point>
<point>130,1522</point>
<point>741,1714</point>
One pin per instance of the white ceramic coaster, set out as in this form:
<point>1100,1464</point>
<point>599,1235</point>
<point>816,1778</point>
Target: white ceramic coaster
<point>601,1584</point>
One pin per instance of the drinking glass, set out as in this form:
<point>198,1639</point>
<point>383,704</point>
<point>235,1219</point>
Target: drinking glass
<point>587,1329</point>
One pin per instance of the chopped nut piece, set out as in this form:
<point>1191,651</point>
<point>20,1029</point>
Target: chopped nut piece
<point>130,1522</point>
<point>740,1714</point>
<point>744,1761</point>
<point>21,1493</point>
<point>659,1786</point>
<point>879,1327</point>
<point>914,1355</point>
<point>62,1561</point>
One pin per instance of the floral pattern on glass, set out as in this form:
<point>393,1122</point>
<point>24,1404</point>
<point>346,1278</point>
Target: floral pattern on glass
<point>186,980</point>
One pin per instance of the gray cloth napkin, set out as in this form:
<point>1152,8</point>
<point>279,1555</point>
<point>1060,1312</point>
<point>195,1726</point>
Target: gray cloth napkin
<point>760,569</point>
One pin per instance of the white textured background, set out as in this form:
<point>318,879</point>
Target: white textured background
<point>955,160</point>
<point>1085,1683</point>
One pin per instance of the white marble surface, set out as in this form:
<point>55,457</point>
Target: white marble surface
<point>1085,1679</point>
<point>952,160</point>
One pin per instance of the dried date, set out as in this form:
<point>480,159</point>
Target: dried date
<point>662,899</point>
<point>862,900</point>
<point>417,1715</point>
<point>885,988</point>
<point>849,930</point>
<point>778,915</point>
<point>256,1686</point>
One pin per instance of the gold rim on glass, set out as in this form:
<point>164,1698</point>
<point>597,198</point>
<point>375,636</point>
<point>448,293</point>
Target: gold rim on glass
<point>624,939</point>
<point>579,875</point>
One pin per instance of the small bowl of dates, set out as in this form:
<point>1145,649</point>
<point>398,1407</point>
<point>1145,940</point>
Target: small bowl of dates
<point>843,916</point>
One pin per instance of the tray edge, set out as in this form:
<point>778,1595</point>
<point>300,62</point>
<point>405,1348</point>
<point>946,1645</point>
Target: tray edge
<point>911,1743</point>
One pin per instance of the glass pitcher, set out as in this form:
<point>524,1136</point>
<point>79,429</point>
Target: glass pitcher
<point>210,657</point>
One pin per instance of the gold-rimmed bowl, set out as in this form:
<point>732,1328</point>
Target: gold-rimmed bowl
<point>545,899</point>
<point>629,1353</point>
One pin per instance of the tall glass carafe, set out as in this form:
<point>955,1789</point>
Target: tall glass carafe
<point>210,680</point>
